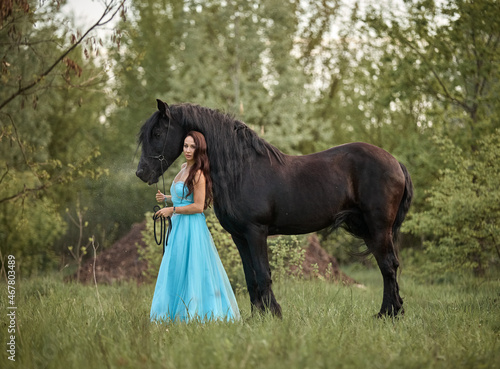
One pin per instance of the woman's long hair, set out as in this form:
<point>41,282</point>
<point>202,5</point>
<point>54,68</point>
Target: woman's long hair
<point>202,163</point>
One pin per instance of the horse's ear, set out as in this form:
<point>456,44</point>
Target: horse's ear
<point>164,108</point>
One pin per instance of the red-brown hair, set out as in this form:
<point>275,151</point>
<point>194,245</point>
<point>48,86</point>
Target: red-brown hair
<point>202,163</point>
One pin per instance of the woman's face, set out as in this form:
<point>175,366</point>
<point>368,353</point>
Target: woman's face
<point>189,149</point>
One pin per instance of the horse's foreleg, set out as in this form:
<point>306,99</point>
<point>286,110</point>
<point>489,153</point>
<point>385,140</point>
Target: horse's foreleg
<point>383,250</point>
<point>257,242</point>
<point>248,269</point>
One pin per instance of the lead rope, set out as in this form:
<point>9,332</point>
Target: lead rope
<point>164,231</point>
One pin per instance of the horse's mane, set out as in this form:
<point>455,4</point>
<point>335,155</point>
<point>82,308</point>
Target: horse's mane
<point>232,149</point>
<point>144,137</point>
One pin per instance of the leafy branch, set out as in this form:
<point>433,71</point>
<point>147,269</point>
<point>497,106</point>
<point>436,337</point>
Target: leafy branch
<point>64,177</point>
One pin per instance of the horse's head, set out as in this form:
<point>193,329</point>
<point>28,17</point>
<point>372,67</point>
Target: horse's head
<point>161,138</point>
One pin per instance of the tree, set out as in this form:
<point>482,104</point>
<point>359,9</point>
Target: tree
<point>236,56</point>
<point>454,49</point>
<point>49,122</point>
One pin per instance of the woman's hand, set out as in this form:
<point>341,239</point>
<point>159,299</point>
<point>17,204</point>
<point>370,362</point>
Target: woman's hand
<point>161,197</point>
<point>165,212</point>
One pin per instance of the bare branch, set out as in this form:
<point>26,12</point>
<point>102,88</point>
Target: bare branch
<point>72,218</point>
<point>93,272</point>
<point>5,174</point>
<point>109,13</point>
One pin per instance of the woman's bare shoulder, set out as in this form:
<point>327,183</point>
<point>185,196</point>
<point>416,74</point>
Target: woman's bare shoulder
<point>199,177</point>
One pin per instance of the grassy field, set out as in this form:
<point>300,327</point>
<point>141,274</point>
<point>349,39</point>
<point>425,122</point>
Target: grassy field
<point>447,325</point>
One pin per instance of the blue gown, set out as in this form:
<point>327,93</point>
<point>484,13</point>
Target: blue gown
<point>192,283</point>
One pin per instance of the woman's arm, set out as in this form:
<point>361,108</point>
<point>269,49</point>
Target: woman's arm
<point>198,196</point>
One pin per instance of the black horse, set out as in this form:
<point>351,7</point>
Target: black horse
<point>260,191</point>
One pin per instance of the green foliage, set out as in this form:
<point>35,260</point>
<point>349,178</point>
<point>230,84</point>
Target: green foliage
<point>152,252</point>
<point>29,231</point>
<point>442,58</point>
<point>286,256</point>
<point>446,326</point>
<point>50,105</point>
<point>235,56</point>
<point>462,223</point>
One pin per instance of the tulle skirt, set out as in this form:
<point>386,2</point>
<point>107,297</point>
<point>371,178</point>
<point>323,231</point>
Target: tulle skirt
<point>192,283</point>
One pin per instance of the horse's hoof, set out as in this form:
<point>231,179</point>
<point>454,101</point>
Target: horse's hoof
<point>277,312</point>
<point>381,315</point>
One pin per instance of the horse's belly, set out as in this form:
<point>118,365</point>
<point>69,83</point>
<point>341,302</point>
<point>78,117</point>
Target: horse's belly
<point>298,227</point>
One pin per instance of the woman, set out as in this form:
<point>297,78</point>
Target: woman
<point>192,283</point>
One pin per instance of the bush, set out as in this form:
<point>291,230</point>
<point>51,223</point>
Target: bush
<point>286,256</point>
<point>151,253</point>
<point>29,230</point>
<point>462,223</point>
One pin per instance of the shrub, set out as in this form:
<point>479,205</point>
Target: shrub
<point>462,223</point>
<point>286,256</point>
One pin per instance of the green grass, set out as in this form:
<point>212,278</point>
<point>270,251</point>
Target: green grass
<point>448,325</point>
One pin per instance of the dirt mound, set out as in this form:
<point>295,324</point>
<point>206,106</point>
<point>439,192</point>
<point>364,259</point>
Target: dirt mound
<point>320,264</point>
<point>121,261</point>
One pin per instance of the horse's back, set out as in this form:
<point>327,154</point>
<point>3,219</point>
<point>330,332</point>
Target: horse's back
<point>348,162</point>
<point>357,151</point>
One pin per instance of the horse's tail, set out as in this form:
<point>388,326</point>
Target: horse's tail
<point>404,205</point>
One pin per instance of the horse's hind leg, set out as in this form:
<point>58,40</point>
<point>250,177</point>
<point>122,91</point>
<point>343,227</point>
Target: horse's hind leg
<point>383,249</point>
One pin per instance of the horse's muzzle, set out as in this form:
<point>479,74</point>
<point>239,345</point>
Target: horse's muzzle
<point>141,173</point>
<point>150,178</point>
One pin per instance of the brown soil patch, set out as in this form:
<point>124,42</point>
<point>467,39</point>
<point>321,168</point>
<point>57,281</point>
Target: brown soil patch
<point>120,262</point>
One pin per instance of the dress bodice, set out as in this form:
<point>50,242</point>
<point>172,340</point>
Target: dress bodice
<point>179,191</point>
